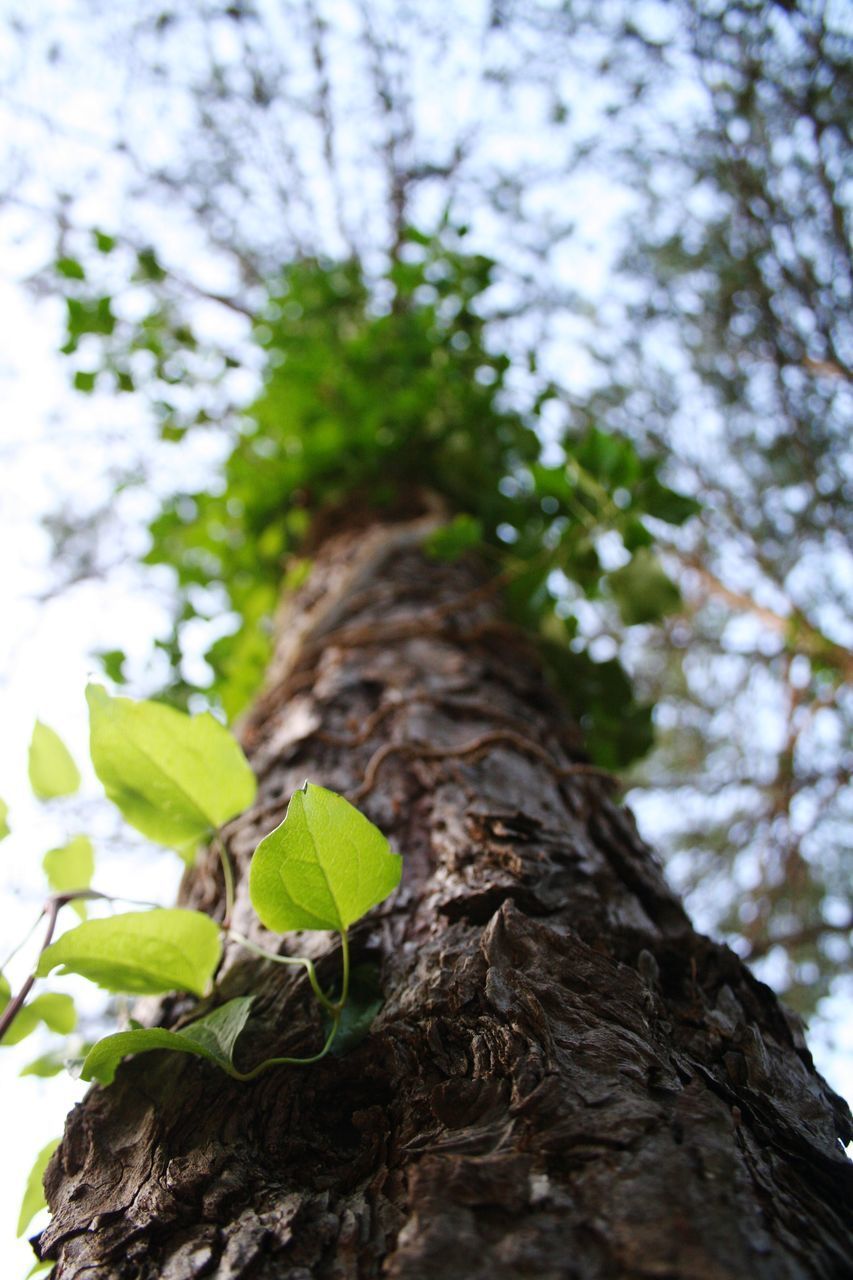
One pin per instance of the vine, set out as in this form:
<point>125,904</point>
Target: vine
<point>179,779</point>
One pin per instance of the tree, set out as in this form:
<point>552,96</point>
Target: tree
<point>564,1078</point>
<point>717,129</point>
<point>559,1061</point>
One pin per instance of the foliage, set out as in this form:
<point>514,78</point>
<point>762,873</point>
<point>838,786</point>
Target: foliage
<point>719,342</point>
<point>52,771</point>
<point>322,868</point>
<point>176,779</point>
<point>34,1193</point>
<point>375,391</point>
<point>140,952</point>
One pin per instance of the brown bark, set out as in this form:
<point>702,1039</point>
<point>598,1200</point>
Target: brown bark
<point>565,1079</point>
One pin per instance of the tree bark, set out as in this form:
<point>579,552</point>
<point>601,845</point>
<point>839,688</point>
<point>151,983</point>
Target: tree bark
<point>565,1080</point>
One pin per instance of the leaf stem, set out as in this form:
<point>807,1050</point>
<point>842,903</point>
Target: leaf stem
<point>289,1062</point>
<point>339,1004</point>
<point>228,877</point>
<point>303,961</point>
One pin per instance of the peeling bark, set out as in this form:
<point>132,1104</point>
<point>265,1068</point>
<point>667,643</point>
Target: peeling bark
<point>565,1080</point>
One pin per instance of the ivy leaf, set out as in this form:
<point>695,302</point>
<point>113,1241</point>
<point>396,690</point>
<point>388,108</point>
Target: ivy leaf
<point>4,815</point>
<point>71,866</point>
<point>140,952</point>
<point>212,1037</point>
<point>55,1010</point>
<point>362,1005</point>
<point>51,768</point>
<point>643,591</point>
<point>174,777</point>
<point>323,867</point>
<point>34,1198</point>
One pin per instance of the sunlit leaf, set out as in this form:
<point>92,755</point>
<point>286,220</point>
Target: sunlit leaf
<point>55,1010</point>
<point>174,777</point>
<point>140,952</point>
<point>323,867</point>
<point>34,1198</point>
<point>51,769</point>
<point>4,823</point>
<point>71,866</point>
<point>212,1037</point>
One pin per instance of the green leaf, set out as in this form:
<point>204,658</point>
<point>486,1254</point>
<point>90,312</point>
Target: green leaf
<point>463,533</point>
<point>4,824</point>
<point>323,867</point>
<point>34,1191</point>
<point>51,768</point>
<point>70,867</point>
<point>5,992</point>
<point>112,660</point>
<point>84,381</point>
<point>140,952</point>
<point>364,1001</point>
<point>643,591</point>
<point>39,1268</point>
<point>56,1011</point>
<point>103,242</point>
<point>212,1037</point>
<point>174,777</point>
<point>70,268</point>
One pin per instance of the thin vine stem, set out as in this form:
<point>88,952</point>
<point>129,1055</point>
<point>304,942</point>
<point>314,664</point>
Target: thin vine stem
<point>308,965</point>
<point>227,876</point>
<point>289,1062</point>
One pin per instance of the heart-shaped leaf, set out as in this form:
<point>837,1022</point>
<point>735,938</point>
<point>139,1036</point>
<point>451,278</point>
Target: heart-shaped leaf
<point>323,867</point>
<point>174,777</point>
<point>140,952</point>
<point>212,1037</point>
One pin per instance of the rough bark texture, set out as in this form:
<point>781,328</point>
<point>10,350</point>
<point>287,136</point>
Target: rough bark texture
<point>565,1079</point>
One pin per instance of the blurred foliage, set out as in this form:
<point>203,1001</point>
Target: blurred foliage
<point>719,345</point>
<point>378,391</point>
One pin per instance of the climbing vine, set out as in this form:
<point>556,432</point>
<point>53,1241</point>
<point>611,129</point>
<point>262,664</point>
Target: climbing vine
<point>180,780</point>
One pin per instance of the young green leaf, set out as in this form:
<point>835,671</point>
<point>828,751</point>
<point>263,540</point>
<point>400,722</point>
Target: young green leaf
<point>140,952</point>
<point>51,768</point>
<point>5,992</point>
<point>4,815</point>
<point>56,1011</point>
<point>174,777</point>
<point>212,1037</point>
<point>323,867</point>
<point>34,1191</point>
<point>70,867</point>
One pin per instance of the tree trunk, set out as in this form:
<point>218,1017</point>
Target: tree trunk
<point>565,1080</point>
